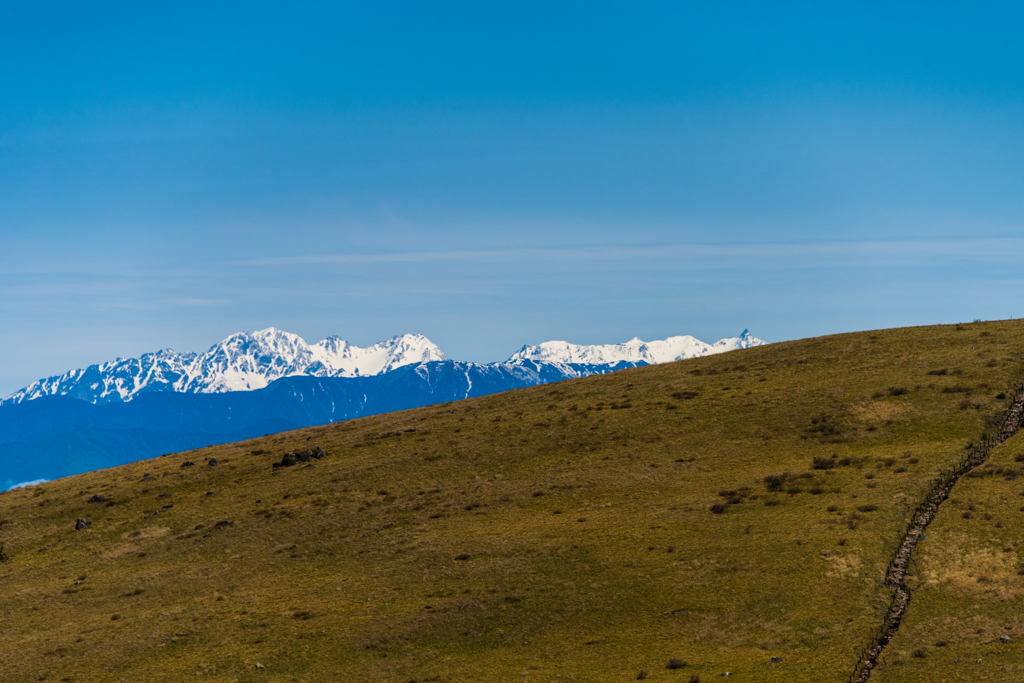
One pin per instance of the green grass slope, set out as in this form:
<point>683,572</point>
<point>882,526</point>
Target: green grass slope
<point>721,512</point>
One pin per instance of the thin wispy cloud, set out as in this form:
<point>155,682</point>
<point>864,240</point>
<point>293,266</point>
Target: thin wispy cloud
<point>198,302</point>
<point>123,306</point>
<point>849,252</point>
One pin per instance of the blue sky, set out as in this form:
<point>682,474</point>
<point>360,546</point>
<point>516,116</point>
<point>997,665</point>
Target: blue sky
<point>493,175</point>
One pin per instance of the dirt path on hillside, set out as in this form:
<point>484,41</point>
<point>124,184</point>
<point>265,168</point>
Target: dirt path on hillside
<point>897,573</point>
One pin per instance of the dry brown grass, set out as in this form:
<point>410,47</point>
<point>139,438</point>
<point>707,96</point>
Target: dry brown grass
<point>426,554</point>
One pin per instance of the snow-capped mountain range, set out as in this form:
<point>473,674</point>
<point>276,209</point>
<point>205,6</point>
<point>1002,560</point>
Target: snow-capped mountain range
<point>250,361</point>
<point>633,351</point>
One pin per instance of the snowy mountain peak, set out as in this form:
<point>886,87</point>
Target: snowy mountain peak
<point>345,360</point>
<point>242,362</point>
<point>634,351</point>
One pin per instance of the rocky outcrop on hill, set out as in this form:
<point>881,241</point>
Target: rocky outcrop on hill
<point>294,458</point>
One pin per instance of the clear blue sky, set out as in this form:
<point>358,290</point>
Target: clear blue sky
<point>492,175</point>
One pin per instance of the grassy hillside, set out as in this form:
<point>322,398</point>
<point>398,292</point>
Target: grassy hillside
<point>734,513</point>
<point>969,583</point>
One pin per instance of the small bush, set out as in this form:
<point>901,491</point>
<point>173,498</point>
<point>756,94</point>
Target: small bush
<point>719,508</point>
<point>1019,457</point>
<point>641,675</point>
<point>867,508</point>
<point>694,678</point>
<point>898,391</point>
<point>820,463</point>
<point>919,653</point>
<point>675,664</point>
<point>775,482</point>
<point>943,371</point>
<point>941,643</point>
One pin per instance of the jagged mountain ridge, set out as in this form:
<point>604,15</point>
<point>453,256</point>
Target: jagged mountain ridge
<point>250,361</point>
<point>242,362</point>
<point>633,351</point>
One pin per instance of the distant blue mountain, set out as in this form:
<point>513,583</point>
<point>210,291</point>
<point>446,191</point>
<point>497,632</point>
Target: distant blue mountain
<point>57,436</point>
<point>268,381</point>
